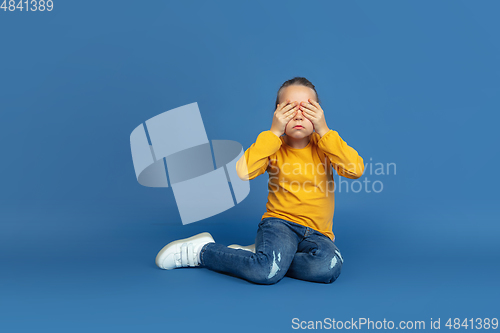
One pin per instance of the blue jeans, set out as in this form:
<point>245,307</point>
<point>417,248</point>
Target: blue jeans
<point>281,248</point>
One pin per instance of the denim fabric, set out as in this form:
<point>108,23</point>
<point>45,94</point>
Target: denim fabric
<point>282,248</point>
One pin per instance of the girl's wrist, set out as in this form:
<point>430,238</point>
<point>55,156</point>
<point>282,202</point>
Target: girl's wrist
<point>322,131</point>
<point>275,133</point>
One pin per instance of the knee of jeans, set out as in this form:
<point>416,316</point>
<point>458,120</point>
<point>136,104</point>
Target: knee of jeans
<point>330,272</point>
<point>263,276</point>
<point>334,269</point>
<point>328,275</point>
<point>270,271</point>
<point>266,280</point>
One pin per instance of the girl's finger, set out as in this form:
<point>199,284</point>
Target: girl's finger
<point>287,115</point>
<point>287,108</point>
<point>307,106</point>
<point>308,116</point>
<point>292,110</point>
<point>291,113</point>
<point>313,102</point>
<point>311,112</point>
<point>282,105</point>
<point>290,116</point>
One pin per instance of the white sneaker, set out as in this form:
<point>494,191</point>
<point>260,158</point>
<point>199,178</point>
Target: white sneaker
<point>250,248</point>
<point>183,252</point>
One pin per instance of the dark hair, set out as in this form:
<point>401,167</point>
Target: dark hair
<point>298,81</point>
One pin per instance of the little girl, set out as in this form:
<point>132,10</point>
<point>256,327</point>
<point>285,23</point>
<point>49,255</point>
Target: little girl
<point>294,237</point>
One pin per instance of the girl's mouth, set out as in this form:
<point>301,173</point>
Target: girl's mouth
<point>298,127</point>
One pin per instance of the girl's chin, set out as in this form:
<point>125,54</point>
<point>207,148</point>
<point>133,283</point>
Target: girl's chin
<point>298,135</point>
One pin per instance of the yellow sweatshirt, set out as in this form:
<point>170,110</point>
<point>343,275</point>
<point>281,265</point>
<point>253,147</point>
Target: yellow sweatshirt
<point>301,187</point>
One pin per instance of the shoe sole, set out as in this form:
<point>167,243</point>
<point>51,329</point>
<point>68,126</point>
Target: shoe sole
<point>204,236</point>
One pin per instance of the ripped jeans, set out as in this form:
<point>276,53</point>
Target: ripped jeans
<point>282,248</point>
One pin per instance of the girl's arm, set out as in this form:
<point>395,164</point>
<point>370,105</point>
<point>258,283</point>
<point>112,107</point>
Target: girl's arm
<point>346,161</point>
<point>256,158</point>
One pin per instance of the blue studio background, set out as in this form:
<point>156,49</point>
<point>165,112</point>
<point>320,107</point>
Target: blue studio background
<point>415,83</point>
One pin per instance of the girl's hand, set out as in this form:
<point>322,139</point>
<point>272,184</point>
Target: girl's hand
<point>283,114</point>
<point>315,114</point>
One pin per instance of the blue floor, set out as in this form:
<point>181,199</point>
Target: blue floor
<point>78,267</point>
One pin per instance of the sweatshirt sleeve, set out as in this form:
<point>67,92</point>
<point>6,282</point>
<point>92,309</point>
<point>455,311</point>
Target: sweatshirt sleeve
<point>256,158</point>
<point>344,158</point>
